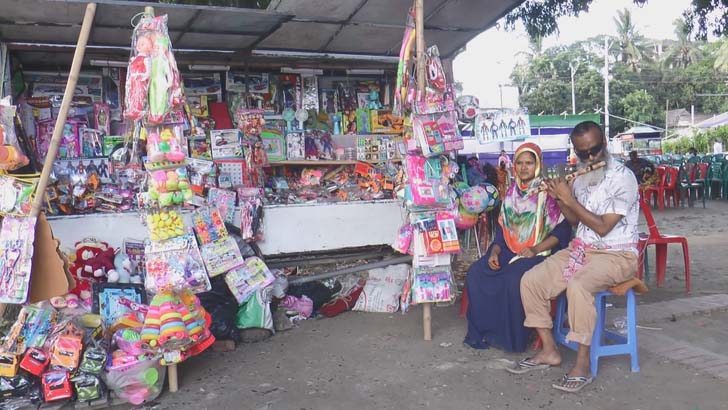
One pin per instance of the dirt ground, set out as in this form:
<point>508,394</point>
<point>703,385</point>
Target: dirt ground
<point>379,361</point>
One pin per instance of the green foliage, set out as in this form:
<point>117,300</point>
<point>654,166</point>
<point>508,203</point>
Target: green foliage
<point>633,48</point>
<point>702,141</point>
<point>539,17</point>
<point>641,88</point>
<point>640,106</point>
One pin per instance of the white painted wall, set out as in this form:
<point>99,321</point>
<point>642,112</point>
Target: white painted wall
<point>286,228</point>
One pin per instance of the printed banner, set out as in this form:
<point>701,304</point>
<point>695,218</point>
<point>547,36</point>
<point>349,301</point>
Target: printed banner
<point>498,126</point>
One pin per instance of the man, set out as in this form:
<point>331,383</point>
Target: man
<point>692,152</point>
<point>603,204</point>
<point>717,147</point>
<point>639,165</point>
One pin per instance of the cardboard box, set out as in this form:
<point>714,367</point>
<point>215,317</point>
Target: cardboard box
<point>50,276</point>
<point>384,122</point>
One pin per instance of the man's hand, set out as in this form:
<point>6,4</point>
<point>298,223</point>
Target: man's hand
<point>493,262</point>
<point>529,252</point>
<point>560,190</point>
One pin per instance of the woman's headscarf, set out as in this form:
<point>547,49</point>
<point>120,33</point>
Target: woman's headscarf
<point>527,219</point>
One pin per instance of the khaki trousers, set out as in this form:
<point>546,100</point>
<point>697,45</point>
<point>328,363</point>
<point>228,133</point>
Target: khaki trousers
<point>545,281</point>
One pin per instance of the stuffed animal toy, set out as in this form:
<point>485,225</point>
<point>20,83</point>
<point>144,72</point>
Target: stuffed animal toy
<point>93,259</point>
<point>123,271</point>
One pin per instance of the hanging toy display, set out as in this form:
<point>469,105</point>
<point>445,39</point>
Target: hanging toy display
<point>467,107</point>
<point>250,121</point>
<point>153,86</point>
<point>11,158</point>
<point>403,69</point>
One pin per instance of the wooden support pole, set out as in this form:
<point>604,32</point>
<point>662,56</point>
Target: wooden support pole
<point>172,377</point>
<point>88,19</point>
<point>420,44</point>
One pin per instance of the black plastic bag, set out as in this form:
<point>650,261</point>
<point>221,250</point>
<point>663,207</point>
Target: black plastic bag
<point>222,307</point>
<point>319,293</point>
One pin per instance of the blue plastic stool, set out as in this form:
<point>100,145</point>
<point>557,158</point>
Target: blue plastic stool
<point>599,346</point>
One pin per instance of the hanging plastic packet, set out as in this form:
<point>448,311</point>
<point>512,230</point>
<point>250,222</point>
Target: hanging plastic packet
<point>153,87</point>
<point>175,264</point>
<point>94,360</point>
<point>88,387</point>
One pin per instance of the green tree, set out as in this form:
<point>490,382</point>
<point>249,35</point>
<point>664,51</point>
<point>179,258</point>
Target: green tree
<point>551,96</point>
<point>721,56</point>
<point>640,106</point>
<point>539,17</point>
<point>633,48</point>
<point>685,51</point>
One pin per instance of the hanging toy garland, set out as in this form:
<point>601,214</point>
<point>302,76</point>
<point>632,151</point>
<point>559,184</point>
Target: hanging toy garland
<point>405,54</point>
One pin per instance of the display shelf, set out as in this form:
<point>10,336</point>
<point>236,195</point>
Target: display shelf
<point>328,162</point>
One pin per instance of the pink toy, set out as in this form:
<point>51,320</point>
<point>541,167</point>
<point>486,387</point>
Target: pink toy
<point>137,82</point>
<point>170,146</point>
<point>154,154</point>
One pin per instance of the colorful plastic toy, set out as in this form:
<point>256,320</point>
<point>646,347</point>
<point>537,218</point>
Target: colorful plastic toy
<point>56,386</point>
<point>88,387</point>
<point>8,364</point>
<point>35,361</point>
<point>94,360</point>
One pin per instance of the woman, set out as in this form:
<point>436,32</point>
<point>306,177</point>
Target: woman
<point>530,227</point>
<point>504,179</point>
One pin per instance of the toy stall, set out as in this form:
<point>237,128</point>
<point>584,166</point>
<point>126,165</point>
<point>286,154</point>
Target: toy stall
<point>139,199</point>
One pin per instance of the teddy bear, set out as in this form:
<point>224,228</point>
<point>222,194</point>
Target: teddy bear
<point>90,262</point>
<point>123,271</point>
<point>93,259</point>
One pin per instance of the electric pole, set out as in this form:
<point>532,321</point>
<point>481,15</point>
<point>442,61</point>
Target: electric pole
<point>606,86</point>
<point>573,92</point>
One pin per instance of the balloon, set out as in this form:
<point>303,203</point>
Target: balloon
<point>464,219</point>
<point>492,192</point>
<point>475,200</point>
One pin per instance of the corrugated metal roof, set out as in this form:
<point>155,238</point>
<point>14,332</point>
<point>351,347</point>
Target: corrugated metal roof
<point>367,27</point>
<point>717,121</point>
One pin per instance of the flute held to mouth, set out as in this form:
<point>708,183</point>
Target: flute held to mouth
<point>570,177</point>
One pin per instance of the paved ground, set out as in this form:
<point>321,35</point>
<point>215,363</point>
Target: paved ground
<point>379,361</point>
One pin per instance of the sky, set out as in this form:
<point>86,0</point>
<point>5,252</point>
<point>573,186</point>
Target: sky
<point>488,60</point>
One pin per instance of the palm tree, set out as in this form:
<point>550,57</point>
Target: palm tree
<point>535,48</point>
<point>721,58</point>
<point>521,73</point>
<point>633,50</point>
<point>685,51</point>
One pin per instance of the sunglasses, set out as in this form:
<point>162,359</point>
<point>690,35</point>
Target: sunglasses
<point>591,152</point>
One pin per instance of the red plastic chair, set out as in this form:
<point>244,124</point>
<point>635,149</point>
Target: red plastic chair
<point>654,237</point>
<point>657,192</point>
<point>671,187</point>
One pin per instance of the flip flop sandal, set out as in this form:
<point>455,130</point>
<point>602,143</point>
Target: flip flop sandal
<point>580,381</point>
<point>526,365</point>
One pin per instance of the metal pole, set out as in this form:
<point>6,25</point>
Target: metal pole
<point>500,87</point>
<point>667,115</point>
<point>39,199</point>
<point>606,86</point>
<point>420,42</point>
<point>353,269</point>
<point>573,92</point>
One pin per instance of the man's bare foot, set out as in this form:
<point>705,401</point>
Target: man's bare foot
<point>583,371</point>
<point>575,380</point>
<point>551,357</point>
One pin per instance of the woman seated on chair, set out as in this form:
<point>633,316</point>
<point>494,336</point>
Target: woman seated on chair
<point>530,227</point>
